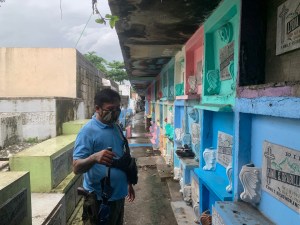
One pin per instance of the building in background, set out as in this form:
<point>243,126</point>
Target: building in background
<point>47,87</point>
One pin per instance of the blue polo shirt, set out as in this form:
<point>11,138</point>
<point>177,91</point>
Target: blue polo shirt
<point>94,137</point>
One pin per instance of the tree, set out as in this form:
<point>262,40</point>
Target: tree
<point>117,71</point>
<point>97,61</point>
<point>114,70</point>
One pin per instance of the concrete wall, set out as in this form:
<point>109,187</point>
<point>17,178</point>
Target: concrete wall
<point>89,80</point>
<point>10,130</point>
<point>48,72</point>
<point>43,117</point>
<point>32,72</point>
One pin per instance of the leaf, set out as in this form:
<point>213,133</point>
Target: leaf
<point>101,21</point>
<point>113,21</point>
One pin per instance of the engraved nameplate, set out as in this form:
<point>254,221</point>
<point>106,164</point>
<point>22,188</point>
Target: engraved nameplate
<point>226,56</point>
<point>224,156</point>
<point>288,27</point>
<point>281,174</point>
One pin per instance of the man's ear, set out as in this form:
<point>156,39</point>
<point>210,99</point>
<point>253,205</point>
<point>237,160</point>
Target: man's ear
<point>97,107</point>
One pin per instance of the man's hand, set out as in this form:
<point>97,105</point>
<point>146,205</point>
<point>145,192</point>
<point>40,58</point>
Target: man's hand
<point>104,157</point>
<point>131,193</point>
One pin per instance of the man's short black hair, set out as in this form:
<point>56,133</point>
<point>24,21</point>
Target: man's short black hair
<point>106,96</point>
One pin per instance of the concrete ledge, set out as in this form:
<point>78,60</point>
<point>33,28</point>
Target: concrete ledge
<point>69,187</point>
<point>48,162</point>
<point>232,213</point>
<point>48,208</point>
<point>183,213</point>
<point>214,183</point>
<point>73,127</point>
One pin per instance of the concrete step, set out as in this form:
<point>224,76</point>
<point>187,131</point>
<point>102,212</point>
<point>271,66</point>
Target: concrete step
<point>174,188</point>
<point>164,171</point>
<point>73,127</point>
<point>48,208</point>
<point>48,162</point>
<point>184,213</point>
<point>69,187</point>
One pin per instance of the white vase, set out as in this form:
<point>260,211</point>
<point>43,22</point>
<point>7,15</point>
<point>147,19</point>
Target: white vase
<point>209,156</point>
<point>229,176</point>
<point>250,177</point>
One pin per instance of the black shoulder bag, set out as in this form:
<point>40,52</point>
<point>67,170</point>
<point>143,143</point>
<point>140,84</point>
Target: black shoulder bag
<point>127,163</point>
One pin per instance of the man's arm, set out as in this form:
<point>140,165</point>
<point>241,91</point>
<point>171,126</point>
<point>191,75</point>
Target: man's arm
<point>104,157</point>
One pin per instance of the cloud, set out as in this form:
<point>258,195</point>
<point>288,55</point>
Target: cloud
<point>38,23</point>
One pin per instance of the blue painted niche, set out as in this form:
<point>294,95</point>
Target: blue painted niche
<point>213,184</point>
<point>253,131</point>
<point>178,115</point>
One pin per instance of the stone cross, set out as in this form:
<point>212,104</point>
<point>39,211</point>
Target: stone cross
<point>268,154</point>
<point>282,15</point>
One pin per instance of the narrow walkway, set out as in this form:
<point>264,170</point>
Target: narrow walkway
<point>154,191</point>
<point>152,204</point>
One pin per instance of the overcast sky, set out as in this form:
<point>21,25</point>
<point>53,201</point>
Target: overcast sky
<point>38,23</point>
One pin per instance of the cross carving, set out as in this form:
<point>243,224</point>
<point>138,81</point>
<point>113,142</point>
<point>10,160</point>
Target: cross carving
<point>282,14</point>
<point>268,154</point>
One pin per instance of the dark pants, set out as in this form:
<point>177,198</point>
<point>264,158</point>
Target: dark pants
<point>91,208</point>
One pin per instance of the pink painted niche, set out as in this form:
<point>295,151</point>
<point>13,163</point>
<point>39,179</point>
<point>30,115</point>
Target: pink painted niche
<point>194,59</point>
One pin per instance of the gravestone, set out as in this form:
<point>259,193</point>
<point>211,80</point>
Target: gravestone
<point>49,162</point>
<point>15,201</point>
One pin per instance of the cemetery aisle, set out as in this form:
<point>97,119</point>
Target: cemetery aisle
<point>154,192</point>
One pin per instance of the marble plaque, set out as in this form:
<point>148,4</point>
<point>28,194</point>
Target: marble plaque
<point>62,166</point>
<point>288,26</point>
<point>226,56</point>
<point>178,135</point>
<point>14,210</point>
<point>224,156</point>
<point>216,218</point>
<point>195,127</point>
<point>281,174</point>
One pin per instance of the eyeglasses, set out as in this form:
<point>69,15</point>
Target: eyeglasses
<point>112,110</point>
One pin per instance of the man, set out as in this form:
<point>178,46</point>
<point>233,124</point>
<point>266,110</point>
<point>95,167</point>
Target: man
<point>92,157</point>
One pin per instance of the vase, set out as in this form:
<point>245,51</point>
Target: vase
<point>209,156</point>
<point>250,177</point>
<point>229,176</point>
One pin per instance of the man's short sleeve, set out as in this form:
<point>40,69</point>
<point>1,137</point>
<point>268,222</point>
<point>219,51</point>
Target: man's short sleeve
<point>83,146</point>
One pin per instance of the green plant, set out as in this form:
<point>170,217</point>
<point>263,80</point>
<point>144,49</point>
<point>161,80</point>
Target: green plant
<point>32,140</point>
<point>102,20</point>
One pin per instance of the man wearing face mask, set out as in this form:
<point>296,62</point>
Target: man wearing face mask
<point>92,157</point>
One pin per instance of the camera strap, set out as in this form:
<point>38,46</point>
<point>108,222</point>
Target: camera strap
<point>124,139</point>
